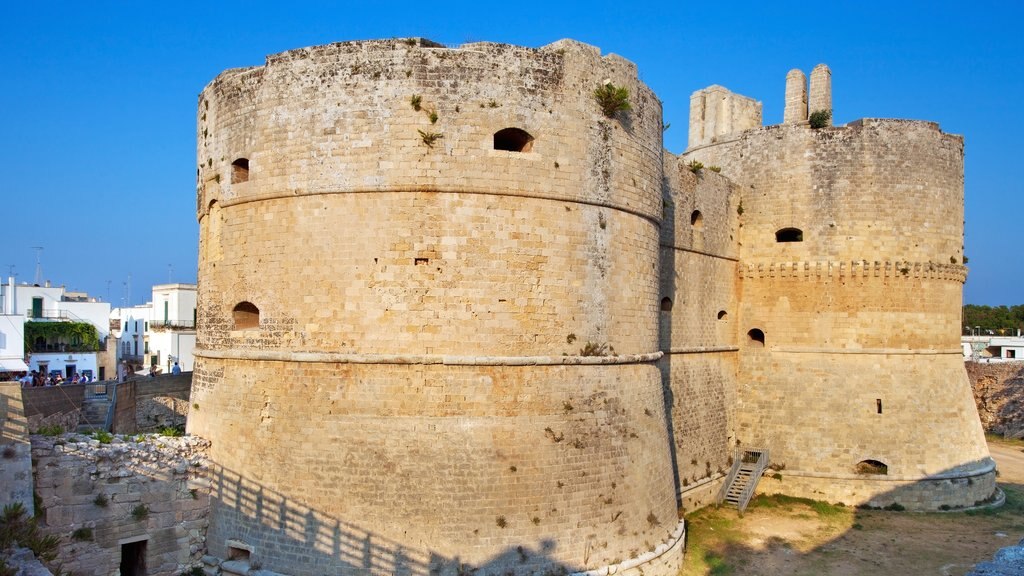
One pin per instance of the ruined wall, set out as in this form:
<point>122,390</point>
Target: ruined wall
<point>15,455</point>
<point>152,404</point>
<point>96,497</point>
<point>471,331</point>
<point>859,312</point>
<point>699,249</point>
<point>54,406</point>
<point>999,394</point>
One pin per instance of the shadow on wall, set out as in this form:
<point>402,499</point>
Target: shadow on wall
<point>785,535</point>
<point>294,531</point>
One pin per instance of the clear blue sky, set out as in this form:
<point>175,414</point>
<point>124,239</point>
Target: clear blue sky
<point>98,102</point>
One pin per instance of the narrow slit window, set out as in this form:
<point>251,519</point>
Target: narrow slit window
<point>756,336</point>
<point>513,140</point>
<point>697,219</point>
<point>240,171</point>
<point>246,316</point>
<point>878,405</point>
<point>789,235</point>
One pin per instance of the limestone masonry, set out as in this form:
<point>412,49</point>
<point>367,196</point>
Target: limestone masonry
<point>453,317</point>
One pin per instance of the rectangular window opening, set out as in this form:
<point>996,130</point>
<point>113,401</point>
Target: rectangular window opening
<point>878,405</point>
<point>133,558</point>
<point>419,261</point>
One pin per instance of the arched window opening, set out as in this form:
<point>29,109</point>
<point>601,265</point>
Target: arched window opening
<point>871,467</point>
<point>697,219</point>
<point>666,304</point>
<point>756,337</point>
<point>513,140</point>
<point>240,171</point>
<point>789,235</point>
<point>722,316</point>
<point>246,316</point>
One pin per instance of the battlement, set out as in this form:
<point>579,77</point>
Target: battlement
<point>716,113</point>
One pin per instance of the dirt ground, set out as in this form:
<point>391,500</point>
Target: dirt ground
<point>780,535</point>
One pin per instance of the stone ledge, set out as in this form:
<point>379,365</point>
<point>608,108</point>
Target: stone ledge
<point>442,359</point>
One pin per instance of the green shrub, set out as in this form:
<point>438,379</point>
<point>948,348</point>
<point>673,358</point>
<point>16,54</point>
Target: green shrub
<point>51,430</point>
<point>17,529</point>
<point>695,166</point>
<point>82,534</point>
<point>172,431</point>
<point>101,500</point>
<point>103,436</point>
<point>416,101</point>
<point>820,118</point>
<point>612,99</point>
<point>140,512</point>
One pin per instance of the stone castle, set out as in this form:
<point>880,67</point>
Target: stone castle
<point>455,317</point>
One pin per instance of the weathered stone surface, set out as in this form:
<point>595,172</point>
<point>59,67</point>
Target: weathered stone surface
<point>97,495</point>
<point>999,396</point>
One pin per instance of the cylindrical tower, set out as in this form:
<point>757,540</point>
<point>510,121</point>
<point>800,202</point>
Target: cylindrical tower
<point>851,272</point>
<point>428,323</point>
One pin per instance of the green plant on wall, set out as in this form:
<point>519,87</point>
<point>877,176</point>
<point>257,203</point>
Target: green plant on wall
<point>612,99</point>
<point>820,118</point>
<point>61,337</point>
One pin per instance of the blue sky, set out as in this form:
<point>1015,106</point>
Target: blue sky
<point>98,102</point>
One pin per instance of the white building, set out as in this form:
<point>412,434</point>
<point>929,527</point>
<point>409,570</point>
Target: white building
<point>993,348</point>
<point>160,332</point>
<point>12,340</point>
<point>68,349</point>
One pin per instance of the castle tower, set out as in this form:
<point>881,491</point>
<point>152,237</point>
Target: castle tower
<point>851,273</point>
<point>428,322</point>
<point>821,91</point>
<point>795,111</point>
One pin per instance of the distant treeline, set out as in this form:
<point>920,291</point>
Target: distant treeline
<point>1004,320</point>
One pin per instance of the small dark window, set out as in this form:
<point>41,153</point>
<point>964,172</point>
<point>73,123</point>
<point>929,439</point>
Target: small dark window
<point>878,405</point>
<point>513,140</point>
<point>722,315</point>
<point>133,558</point>
<point>697,219</point>
<point>420,261</point>
<point>871,467</point>
<point>789,235</point>
<point>240,171</point>
<point>246,316</point>
<point>666,304</point>
<point>756,337</point>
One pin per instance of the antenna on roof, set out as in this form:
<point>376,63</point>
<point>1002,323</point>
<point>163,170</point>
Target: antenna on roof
<point>39,264</point>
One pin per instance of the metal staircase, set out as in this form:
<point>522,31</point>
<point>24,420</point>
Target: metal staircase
<point>746,470</point>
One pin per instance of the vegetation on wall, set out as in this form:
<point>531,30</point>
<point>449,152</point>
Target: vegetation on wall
<point>820,118</point>
<point>1002,320</point>
<point>62,336</point>
<point>612,99</point>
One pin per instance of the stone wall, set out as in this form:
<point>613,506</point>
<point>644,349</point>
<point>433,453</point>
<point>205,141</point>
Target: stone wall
<point>152,404</point>
<point>999,396</point>
<point>15,450</point>
<point>850,281</point>
<point>98,497</point>
<point>54,406</point>
<point>699,250</point>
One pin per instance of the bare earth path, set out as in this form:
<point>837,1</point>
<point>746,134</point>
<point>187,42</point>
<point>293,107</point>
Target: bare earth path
<point>780,536</point>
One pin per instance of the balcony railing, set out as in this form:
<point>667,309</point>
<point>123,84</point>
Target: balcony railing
<point>162,325</point>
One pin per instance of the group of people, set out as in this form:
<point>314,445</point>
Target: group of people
<point>36,379</point>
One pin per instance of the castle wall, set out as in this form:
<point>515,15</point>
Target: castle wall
<point>699,250</point>
<point>472,332</point>
<point>97,497</point>
<point>859,316</point>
